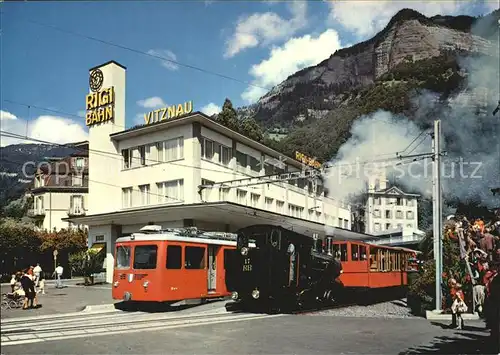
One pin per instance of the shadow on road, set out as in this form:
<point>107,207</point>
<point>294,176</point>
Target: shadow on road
<point>151,307</point>
<point>461,342</point>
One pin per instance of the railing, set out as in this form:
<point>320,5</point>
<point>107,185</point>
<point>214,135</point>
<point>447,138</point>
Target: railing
<point>76,211</point>
<point>34,212</point>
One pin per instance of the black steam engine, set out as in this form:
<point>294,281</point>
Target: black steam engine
<point>277,270</point>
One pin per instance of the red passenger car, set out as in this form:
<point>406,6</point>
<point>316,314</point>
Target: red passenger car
<point>170,265</point>
<point>371,266</point>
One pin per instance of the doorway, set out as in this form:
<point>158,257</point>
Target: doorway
<point>212,268</point>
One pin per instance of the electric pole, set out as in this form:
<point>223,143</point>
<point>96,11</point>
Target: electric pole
<point>437,210</point>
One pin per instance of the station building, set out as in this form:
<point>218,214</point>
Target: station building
<point>152,173</point>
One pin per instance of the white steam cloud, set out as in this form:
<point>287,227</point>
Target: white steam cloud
<point>471,166</point>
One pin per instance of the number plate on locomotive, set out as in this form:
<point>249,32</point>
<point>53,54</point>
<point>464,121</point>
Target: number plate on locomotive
<point>247,266</point>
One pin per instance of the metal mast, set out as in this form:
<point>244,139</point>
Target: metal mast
<point>437,210</point>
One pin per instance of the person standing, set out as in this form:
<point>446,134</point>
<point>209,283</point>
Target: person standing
<point>58,273</point>
<point>38,272</point>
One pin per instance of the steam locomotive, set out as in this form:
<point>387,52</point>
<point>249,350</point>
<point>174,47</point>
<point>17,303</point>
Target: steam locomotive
<point>281,270</point>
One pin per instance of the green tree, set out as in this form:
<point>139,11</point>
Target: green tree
<point>19,245</point>
<point>64,240</point>
<point>228,117</point>
<point>250,128</point>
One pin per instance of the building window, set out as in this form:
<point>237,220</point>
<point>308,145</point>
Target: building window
<point>388,214</point>
<point>225,155</point>
<point>207,149</point>
<point>346,224</point>
<point>254,164</point>
<point>377,201</point>
<point>409,203</point>
<point>206,192</point>
<point>79,162</point>
<point>295,211</point>
<point>142,154</point>
<point>399,201</point>
<point>376,213</point>
<point>269,203</point>
<point>254,200</point>
<point>241,197</point>
<point>241,159</point>
<point>409,214</point>
<point>223,194</point>
<point>280,206</point>
<point>127,197</point>
<point>340,222</point>
<point>126,158</point>
<point>399,214</point>
<point>170,191</point>
<point>76,204</point>
<point>145,192</point>
<point>377,227</point>
<point>170,150</point>
<point>387,226</point>
<point>400,225</point>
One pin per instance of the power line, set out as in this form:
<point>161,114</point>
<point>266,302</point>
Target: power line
<point>102,182</point>
<point>420,143</point>
<point>206,71</point>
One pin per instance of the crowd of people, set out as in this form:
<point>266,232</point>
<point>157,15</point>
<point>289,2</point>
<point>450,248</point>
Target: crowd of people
<point>479,245</point>
<point>28,284</point>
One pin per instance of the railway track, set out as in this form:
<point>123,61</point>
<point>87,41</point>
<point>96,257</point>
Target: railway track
<point>19,331</point>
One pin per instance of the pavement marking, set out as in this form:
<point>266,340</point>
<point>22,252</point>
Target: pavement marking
<point>108,331</point>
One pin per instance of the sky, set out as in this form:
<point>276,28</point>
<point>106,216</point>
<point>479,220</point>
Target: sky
<point>45,56</point>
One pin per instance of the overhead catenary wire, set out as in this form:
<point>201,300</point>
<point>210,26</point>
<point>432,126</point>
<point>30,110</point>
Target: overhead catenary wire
<point>118,156</point>
<point>134,50</point>
<point>102,182</point>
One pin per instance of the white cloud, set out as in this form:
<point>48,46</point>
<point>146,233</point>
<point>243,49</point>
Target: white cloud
<point>165,54</point>
<point>265,28</point>
<point>152,102</point>
<point>294,55</point>
<point>365,18</point>
<point>211,109</point>
<point>52,129</point>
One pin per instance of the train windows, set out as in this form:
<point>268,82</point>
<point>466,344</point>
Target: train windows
<point>336,251</point>
<point>174,257</point>
<point>354,252</point>
<point>194,258</point>
<point>343,252</point>
<point>122,257</point>
<point>145,256</point>
<point>362,252</point>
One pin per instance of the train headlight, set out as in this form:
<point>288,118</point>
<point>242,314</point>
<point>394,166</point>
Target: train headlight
<point>234,295</point>
<point>244,251</point>
<point>145,284</point>
<point>255,294</point>
<point>116,283</point>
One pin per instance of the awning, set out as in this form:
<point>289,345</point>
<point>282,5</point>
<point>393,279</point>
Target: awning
<point>97,247</point>
<point>236,215</point>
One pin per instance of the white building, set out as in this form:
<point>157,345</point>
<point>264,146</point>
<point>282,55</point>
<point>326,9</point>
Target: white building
<point>152,174</point>
<point>59,191</point>
<point>389,209</point>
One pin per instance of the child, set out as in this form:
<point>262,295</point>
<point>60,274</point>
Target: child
<point>41,285</point>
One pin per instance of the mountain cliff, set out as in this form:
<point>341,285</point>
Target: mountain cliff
<point>408,37</point>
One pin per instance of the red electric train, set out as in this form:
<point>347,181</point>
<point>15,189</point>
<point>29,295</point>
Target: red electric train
<point>170,265</point>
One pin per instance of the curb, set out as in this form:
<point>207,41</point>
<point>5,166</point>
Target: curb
<point>51,281</point>
<point>432,315</point>
<point>99,308</point>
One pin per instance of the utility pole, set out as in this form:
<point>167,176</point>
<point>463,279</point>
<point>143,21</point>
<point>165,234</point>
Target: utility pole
<point>437,210</point>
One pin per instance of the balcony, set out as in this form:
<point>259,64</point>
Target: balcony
<point>36,213</point>
<point>76,211</point>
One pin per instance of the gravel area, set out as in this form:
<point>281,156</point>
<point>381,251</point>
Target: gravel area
<point>391,309</point>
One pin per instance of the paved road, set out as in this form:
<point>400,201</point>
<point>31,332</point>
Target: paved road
<point>71,298</point>
<point>208,329</point>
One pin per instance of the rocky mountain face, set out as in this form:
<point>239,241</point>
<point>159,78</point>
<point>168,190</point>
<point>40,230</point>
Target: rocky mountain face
<point>409,36</point>
<point>18,162</point>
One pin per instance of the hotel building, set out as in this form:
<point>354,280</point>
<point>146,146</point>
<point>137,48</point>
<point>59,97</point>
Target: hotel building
<point>151,174</point>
